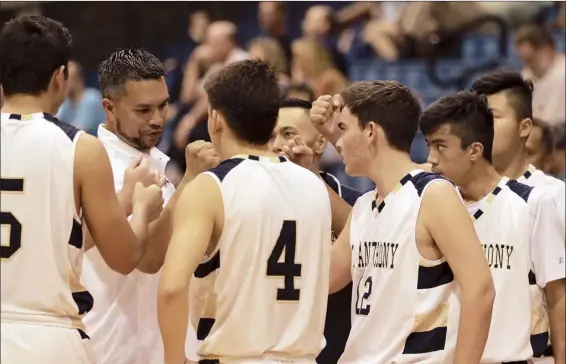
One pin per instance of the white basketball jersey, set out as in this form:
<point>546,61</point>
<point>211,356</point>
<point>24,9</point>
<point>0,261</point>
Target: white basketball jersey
<point>553,186</point>
<point>42,242</point>
<point>401,302</point>
<point>270,270</point>
<point>502,222</point>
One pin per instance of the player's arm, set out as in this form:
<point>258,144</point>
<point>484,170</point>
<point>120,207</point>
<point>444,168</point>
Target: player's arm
<point>340,210</point>
<point>160,234</point>
<point>447,221</point>
<point>548,255</point>
<point>119,246</point>
<point>341,260</point>
<point>200,156</point>
<point>199,206</point>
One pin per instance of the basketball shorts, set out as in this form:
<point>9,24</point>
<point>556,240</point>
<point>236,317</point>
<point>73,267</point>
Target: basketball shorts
<point>33,344</point>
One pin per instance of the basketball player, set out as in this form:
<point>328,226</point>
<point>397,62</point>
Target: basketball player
<point>53,176</point>
<point>510,98</point>
<point>517,225</point>
<point>294,121</point>
<point>263,225</point>
<point>409,246</point>
<point>135,102</point>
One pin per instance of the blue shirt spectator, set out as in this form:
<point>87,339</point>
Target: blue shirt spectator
<point>83,106</point>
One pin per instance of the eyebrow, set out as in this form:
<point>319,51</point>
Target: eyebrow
<point>436,140</point>
<point>150,105</point>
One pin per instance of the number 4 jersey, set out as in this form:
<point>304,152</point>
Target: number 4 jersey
<point>270,270</point>
<point>42,242</point>
<point>401,302</point>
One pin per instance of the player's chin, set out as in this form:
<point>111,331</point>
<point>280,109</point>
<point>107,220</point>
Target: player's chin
<point>152,139</point>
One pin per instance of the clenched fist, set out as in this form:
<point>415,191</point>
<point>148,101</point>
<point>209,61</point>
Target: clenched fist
<point>325,115</point>
<point>140,171</point>
<point>147,201</point>
<point>200,157</point>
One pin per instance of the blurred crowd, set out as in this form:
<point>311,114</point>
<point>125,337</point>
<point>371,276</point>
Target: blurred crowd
<point>317,63</point>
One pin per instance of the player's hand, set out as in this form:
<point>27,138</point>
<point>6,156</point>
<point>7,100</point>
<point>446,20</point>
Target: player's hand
<point>325,114</point>
<point>140,171</point>
<point>200,157</point>
<point>147,201</point>
<point>298,152</point>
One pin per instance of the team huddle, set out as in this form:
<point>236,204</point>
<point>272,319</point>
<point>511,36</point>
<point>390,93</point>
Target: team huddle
<point>250,257</point>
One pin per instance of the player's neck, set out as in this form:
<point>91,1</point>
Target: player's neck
<point>481,181</point>
<point>28,104</point>
<point>517,166</point>
<point>235,148</point>
<point>387,170</point>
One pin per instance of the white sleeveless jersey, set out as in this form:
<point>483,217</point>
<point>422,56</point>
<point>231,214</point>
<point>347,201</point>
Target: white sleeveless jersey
<point>265,287</point>
<point>401,302</point>
<point>553,186</point>
<point>502,221</point>
<point>42,242</point>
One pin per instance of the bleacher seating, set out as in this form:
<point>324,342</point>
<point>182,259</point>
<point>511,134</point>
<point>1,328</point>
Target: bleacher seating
<point>475,50</point>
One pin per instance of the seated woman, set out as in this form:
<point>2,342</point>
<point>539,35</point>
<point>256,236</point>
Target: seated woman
<point>269,51</point>
<point>312,64</point>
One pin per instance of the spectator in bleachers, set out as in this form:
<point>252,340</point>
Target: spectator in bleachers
<point>177,63</point>
<point>269,51</point>
<point>221,38</point>
<point>546,67</point>
<point>272,18</point>
<point>320,25</point>
<point>83,106</point>
<point>300,91</point>
<point>312,64</point>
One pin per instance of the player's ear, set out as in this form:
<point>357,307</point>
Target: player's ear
<point>58,78</point>
<point>215,121</point>
<point>320,145</point>
<point>525,127</point>
<point>475,151</point>
<point>109,109</point>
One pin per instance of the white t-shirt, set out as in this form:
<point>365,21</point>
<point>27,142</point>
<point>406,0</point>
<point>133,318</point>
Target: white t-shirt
<point>123,323</point>
<point>553,186</point>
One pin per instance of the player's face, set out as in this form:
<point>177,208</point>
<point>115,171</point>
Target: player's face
<point>292,122</point>
<point>140,112</point>
<point>353,145</point>
<point>447,156</point>
<point>510,133</point>
<point>535,148</point>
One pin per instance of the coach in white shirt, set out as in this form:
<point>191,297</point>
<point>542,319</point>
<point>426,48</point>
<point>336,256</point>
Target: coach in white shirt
<point>123,322</point>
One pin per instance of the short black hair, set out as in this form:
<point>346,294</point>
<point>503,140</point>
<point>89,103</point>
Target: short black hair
<point>294,102</point>
<point>390,104</point>
<point>519,92</point>
<point>469,118</point>
<point>32,47</point>
<point>299,87</point>
<point>128,65</point>
<point>247,94</point>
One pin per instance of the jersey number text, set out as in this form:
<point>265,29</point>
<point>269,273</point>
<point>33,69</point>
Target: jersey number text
<point>287,269</point>
<point>7,218</point>
<point>362,307</point>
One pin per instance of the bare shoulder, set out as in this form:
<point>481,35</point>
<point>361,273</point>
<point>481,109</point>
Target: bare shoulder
<point>89,147</point>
